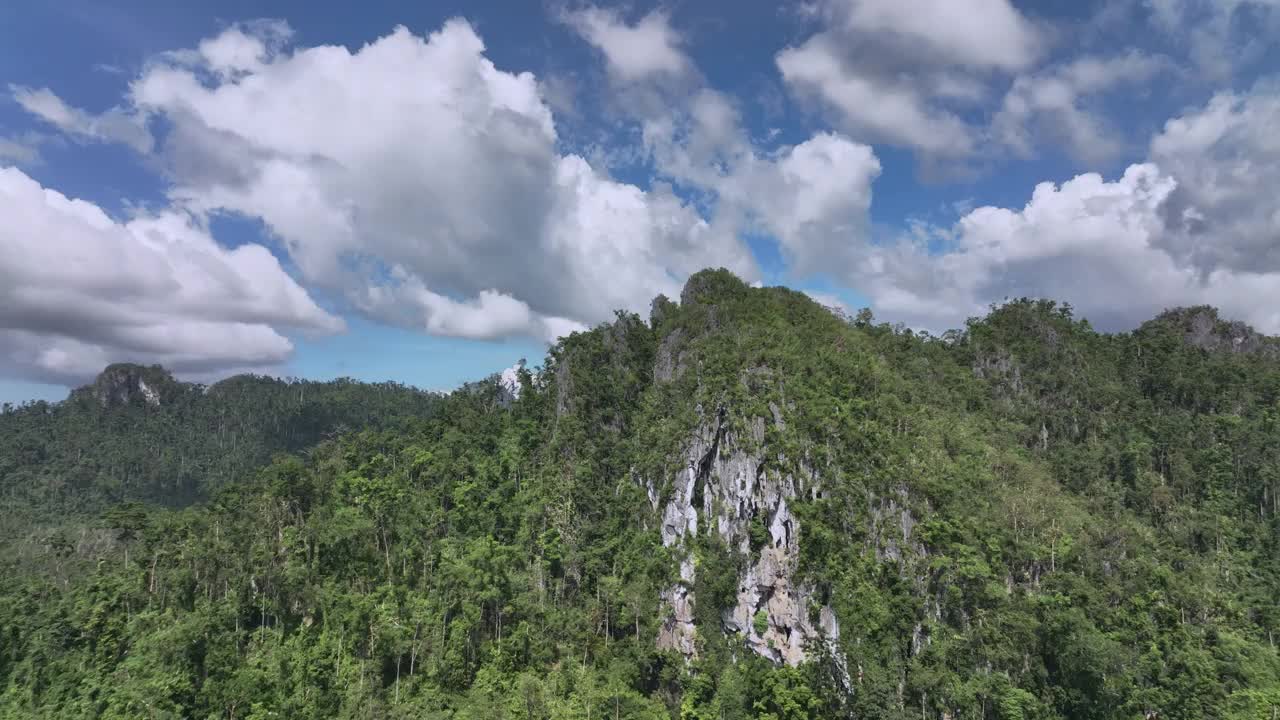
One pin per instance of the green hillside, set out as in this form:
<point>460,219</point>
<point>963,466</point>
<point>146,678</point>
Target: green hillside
<point>746,506</point>
<point>137,434</point>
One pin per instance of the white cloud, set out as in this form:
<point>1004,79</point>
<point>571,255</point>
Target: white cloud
<point>430,189</point>
<point>1090,242</point>
<point>241,49</point>
<point>974,33</point>
<point>814,198</point>
<point>1086,232</point>
<point>880,108</point>
<point>1196,223</point>
<point>693,137</point>
<point>649,79</point>
<point>509,379</point>
<point>633,242</point>
<point>633,51</point>
<point>492,314</point>
<point>1219,36</point>
<point>79,289</point>
<point>831,302</point>
<point>895,72</point>
<point>1226,158</point>
<point>422,182</point>
<point>1056,102</point>
<point>114,125</point>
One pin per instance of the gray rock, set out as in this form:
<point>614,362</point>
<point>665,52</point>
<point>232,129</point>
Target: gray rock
<point>778,422</point>
<point>677,631</point>
<point>127,384</point>
<point>669,364</point>
<point>1202,328</point>
<point>727,484</point>
<point>892,528</point>
<point>564,386</point>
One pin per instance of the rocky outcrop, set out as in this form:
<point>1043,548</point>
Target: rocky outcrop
<point>1203,328</point>
<point>727,488</point>
<point>671,361</point>
<point>564,386</point>
<point>735,491</point>
<point>1001,370</point>
<point>126,384</point>
<point>892,528</point>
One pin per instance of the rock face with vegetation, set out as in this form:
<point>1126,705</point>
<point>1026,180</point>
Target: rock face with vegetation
<point>125,384</point>
<point>730,486</point>
<point>746,506</point>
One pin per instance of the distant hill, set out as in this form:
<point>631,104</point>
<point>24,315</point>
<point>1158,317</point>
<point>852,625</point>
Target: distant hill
<point>137,434</point>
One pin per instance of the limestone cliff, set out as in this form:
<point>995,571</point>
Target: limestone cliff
<point>724,489</point>
<point>732,485</point>
<point>127,384</point>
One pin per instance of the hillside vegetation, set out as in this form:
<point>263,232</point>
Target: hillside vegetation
<point>137,434</point>
<point>745,506</point>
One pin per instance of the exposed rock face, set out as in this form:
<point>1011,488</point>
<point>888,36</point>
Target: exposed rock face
<point>734,491</point>
<point>564,386</point>
<point>1000,368</point>
<point>893,526</point>
<point>125,384</point>
<point>725,488</point>
<point>1203,328</point>
<point>671,361</point>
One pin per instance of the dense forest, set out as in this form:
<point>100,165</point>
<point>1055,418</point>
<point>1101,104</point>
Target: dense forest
<point>745,506</point>
<point>137,434</point>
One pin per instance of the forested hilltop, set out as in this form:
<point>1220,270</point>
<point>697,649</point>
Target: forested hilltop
<point>137,434</point>
<point>747,506</point>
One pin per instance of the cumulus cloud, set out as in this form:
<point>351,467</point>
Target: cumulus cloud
<point>79,289</point>
<point>1097,244</point>
<point>421,182</point>
<point>1226,158</point>
<point>1058,102</point>
<point>883,109</point>
<point>813,197</point>
<point>239,50</point>
<point>974,33</point>
<point>650,47</point>
<point>693,137</point>
<point>1086,232</point>
<point>896,72</point>
<point>491,314</point>
<point>651,81</point>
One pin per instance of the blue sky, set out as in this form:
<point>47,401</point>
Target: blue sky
<point>315,193</point>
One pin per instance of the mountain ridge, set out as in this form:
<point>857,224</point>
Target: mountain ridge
<point>135,433</point>
<point>745,507</point>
